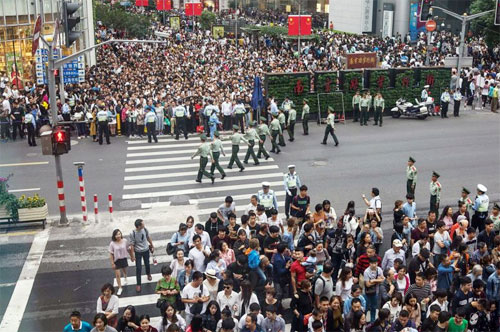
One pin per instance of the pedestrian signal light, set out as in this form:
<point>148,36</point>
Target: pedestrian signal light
<point>60,141</point>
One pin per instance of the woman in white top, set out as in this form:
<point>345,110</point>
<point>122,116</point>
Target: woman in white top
<point>344,284</point>
<point>394,305</point>
<point>170,316</point>
<point>177,265</point>
<point>119,250</point>
<point>211,283</point>
<point>245,298</point>
<point>107,304</point>
<point>216,263</point>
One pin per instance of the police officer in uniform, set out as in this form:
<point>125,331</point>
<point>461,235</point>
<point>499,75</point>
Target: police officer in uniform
<point>236,138</point>
<point>217,149</point>
<point>305,117</point>
<point>282,121</point>
<point>445,101</point>
<point>207,115</point>
<point>364,104</point>
<point>379,105</point>
<point>150,120</point>
<point>480,208</point>
<point>180,114</point>
<point>287,106</point>
<point>263,132</point>
<point>356,100</point>
<point>464,198</point>
<point>239,113</point>
<point>267,198</point>
<point>411,176</point>
<point>275,132</point>
<point>291,181</point>
<point>435,191</point>
<point>102,122</point>
<point>29,121</point>
<point>330,127</point>
<point>251,136</point>
<point>457,100</point>
<point>292,117</point>
<point>204,150</point>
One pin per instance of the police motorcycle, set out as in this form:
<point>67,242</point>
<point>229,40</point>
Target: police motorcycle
<point>404,108</point>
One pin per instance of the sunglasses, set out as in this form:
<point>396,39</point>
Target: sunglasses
<point>227,287</point>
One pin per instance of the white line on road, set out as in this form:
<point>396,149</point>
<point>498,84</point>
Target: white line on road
<point>155,205</point>
<point>138,300</point>
<point>178,166</point>
<point>221,198</point>
<point>19,299</point>
<point>170,152</point>
<point>207,189</point>
<point>166,139</point>
<point>21,190</point>
<point>166,160</point>
<point>188,182</point>
<point>160,146</point>
<point>25,164</point>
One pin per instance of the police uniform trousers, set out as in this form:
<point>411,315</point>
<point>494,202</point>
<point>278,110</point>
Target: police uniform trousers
<point>305,124</point>
<point>239,121</point>
<point>434,205</point>
<point>234,157</point>
<point>409,188</point>
<point>329,130</point>
<point>274,136</point>
<point>201,170</point>
<point>206,128</point>
<point>456,107</point>
<point>444,110</point>
<point>251,152</point>
<point>151,126</point>
<point>103,129</point>
<point>355,112</point>
<point>17,126</point>
<point>288,200</point>
<point>216,164</point>
<point>291,131</point>
<point>378,116</point>
<point>364,116</point>
<point>281,137</point>
<point>262,148</point>
<point>31,134</point>
<point>478,220</point>
<point>181,125</point>
<point>286,116</point>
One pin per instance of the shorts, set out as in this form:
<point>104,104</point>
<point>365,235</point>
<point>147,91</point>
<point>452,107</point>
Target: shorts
<point>121,263</point>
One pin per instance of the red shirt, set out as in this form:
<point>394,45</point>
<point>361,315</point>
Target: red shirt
<point>300,272</point>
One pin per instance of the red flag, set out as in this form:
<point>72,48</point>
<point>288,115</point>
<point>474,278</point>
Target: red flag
<point>163,4</point>
<point>193,8</point>
<point>305,25</point>
<point>142,3</point>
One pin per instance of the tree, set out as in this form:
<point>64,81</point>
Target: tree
<point>483,26</point>
<point>207,19</point>
<point>134,25</point>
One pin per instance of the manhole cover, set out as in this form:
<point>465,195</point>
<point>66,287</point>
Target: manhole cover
<point>130,204</point>
<point>32,154</point>
<point>179,200</point>
<point>319,163</point>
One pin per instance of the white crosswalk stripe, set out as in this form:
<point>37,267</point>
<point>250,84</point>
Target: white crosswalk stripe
<point>170,152</point>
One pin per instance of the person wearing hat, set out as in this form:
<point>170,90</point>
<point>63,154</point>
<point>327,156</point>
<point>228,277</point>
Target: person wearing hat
<point>379,105</point>
<point>392,254</point>
<point>291,181</point>
<point>445,101</point>
<point>305,116</point>
<point>480,208</point>
<point>217,149</point>
<point>275,131</point>
<point>236,138</point>
<point>151,119</point>
<point>411,176</point>
<point>204,150</point>
<point>292,118</point>
<point>457,100</point>
<point>263,132</point>
<point>286,106</point>
<point>282,121</point>
<point>495,217</point>
<point>102,124</point>
<point>356,100</point>
<point>267,198</point>
<point>365,106</point>
<point>330,127</point>
<point>251,136</point>
<point>464,198</point>
<point>239,113</point>
<point>180,114</point>
<point>435,191</point>
<point>425,93</point>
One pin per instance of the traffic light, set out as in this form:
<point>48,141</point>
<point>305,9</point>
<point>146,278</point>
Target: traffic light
<point>60,141</point>
<point>425,10</point>
<point>69,21</point>
<point>497,13</point>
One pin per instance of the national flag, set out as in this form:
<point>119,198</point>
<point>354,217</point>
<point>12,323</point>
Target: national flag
<point>142,3</point>
<point>163,4</point>
<point>305,25</point>
<point>193,8</point>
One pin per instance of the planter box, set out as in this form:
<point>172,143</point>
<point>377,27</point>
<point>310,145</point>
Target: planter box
<point>33,213</point>
<point>4,214</point>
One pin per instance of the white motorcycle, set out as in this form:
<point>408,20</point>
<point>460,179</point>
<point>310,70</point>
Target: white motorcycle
<point>403,108</point>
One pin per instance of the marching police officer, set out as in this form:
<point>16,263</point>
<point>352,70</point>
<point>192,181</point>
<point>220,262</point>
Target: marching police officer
<point>379,105</point>
<point>457,100</point>
<point>204,150</point>
<point>217,149</point>
<point>445,101</point>
<point>239,113</point>
<point>291,181</point>
<point>275,128</point>
<point>251,136</point>
<point>364,105</point>
<point>102,122</point>
<point>305,116</point>
<point>180,114</point>
<point>330,127</point>
<point>411,176</point>
<point>150,120</point>
<point>282,121</point>
<point>267,198</point>
<point>292,117</point>
<point>356,100</point>
<point>480,207</point>
<point>263,132</point>
<point>435,191</point>
<point>236,138</point>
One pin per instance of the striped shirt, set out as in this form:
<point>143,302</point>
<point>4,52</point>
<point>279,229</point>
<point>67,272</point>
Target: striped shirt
<point>419,292</point>
<point>363,263</point>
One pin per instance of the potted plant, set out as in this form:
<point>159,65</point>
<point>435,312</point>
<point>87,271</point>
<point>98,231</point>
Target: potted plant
<point>8,202</point>
<point>32,208</point>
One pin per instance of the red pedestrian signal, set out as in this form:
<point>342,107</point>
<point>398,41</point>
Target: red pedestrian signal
<point>60,136</point>
<point>60,141</point>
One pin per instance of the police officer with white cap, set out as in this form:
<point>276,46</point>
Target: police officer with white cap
<point>291,181</point>
<point>181,114</point>
<point>102,123</point>
<point>267,198</point>
<point>480,207</point>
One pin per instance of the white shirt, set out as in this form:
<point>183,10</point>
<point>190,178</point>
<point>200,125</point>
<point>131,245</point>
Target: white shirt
<point>415,250</point>
<point>111,307</point>
<point>198,258</point>
<point>230,301</point>
<point>375,203</point>
<point>262,218</point>
<point>440,237</point>
<point>251,207</point>
<point>241,324</point>
<point>227,108</point>
<point>189,292</point>
<point>205,239</point>
<point>345,291</point>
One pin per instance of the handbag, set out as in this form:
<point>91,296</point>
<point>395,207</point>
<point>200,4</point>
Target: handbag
<point>179,305</point>
<point>372,290</point>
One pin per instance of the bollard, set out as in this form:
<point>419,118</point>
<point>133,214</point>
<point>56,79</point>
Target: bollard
<point>96,209</point>
<point>110,206</point>
<point>82,193</point>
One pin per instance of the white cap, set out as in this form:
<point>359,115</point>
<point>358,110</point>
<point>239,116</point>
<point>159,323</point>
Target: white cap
<point>482,188</point>
<point>266,184</point>
<point>291,166</point>
<point>397,243</point>
<point>426,86</point>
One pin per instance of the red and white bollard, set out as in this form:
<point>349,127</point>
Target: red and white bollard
<point>82,194</point>
<point>110,206</point>
<point>60,196</point>
<point>96,209</point>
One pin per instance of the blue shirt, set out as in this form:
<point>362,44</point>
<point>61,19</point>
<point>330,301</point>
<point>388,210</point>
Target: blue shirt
<point>445,276</point>
<point>409,210</point>
<point>493,287</point>
<point>84,327</point>
<point>347,304</point>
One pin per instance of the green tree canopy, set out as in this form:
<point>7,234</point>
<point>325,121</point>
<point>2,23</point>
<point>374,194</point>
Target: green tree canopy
<point>484,26</point>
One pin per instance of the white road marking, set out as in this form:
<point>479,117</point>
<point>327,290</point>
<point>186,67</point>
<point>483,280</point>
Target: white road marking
<point>138,300</point>
<point>17,305</point>
<point>166,160</point>
<point>191,137</point>
<point>155,205</point>
<point>21,190</point>
<point>221,198</point>
<point>160,146</point>
<point>25,164</point>
<point>179,166</point>
<point>170,152</point>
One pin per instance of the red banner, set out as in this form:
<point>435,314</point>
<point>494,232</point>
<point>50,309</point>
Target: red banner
<point>304,29</point>
<point>142,3</point>
<point>193,9</point>
<point>361,60</point>
<point>163,4</point>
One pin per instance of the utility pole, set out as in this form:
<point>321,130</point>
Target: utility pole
<point>236,24</point>
<point>300,23</point>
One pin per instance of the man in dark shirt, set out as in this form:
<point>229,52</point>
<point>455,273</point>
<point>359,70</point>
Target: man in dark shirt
<point>240,270</point>
<point>431,226</point>
<point>17,115</point>
<point>419,263</point>
<point>306,240</point>
<point>442,324</point>
<point>221,236</point>
<point>403,321</point>
<point>271,241</point>
<point>212,225</point>
<point>487,235</point>
<point>421,229</point>
<point>253,225</point>
<point>300,203</point>
<point>463,296</point>
<point>431,322</point>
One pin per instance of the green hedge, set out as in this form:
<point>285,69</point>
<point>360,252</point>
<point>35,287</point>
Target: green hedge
<point>280,86</point>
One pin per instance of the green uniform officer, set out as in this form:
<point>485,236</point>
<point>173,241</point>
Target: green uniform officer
<point>282,121</point>
<point>495,217</point>
<point>204,151</point>
<point>435,191</point>
<point>330,127</point>
<point>305,116</point>
<point>464,198</point>
<point>364,105</point>
<point>379,105</point>
<point>411,176</point>
<point>251,136</point>
<point>275,128</point>
<point>263,132</point>
<point>356,100</point>
<point>217,149</point>
<point>236,138</point>
<point>292,117</point>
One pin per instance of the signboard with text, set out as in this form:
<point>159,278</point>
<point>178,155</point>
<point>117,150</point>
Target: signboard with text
<point>73,71</point>
<point>361,60</point>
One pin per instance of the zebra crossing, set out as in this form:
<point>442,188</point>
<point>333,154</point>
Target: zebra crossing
<point>156,173</point>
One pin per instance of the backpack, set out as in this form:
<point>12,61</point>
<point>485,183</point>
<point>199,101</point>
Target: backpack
<point>316,277</point>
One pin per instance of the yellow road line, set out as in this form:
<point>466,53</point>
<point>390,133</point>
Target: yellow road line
<point>25,164</point>
<point>20,233</point>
